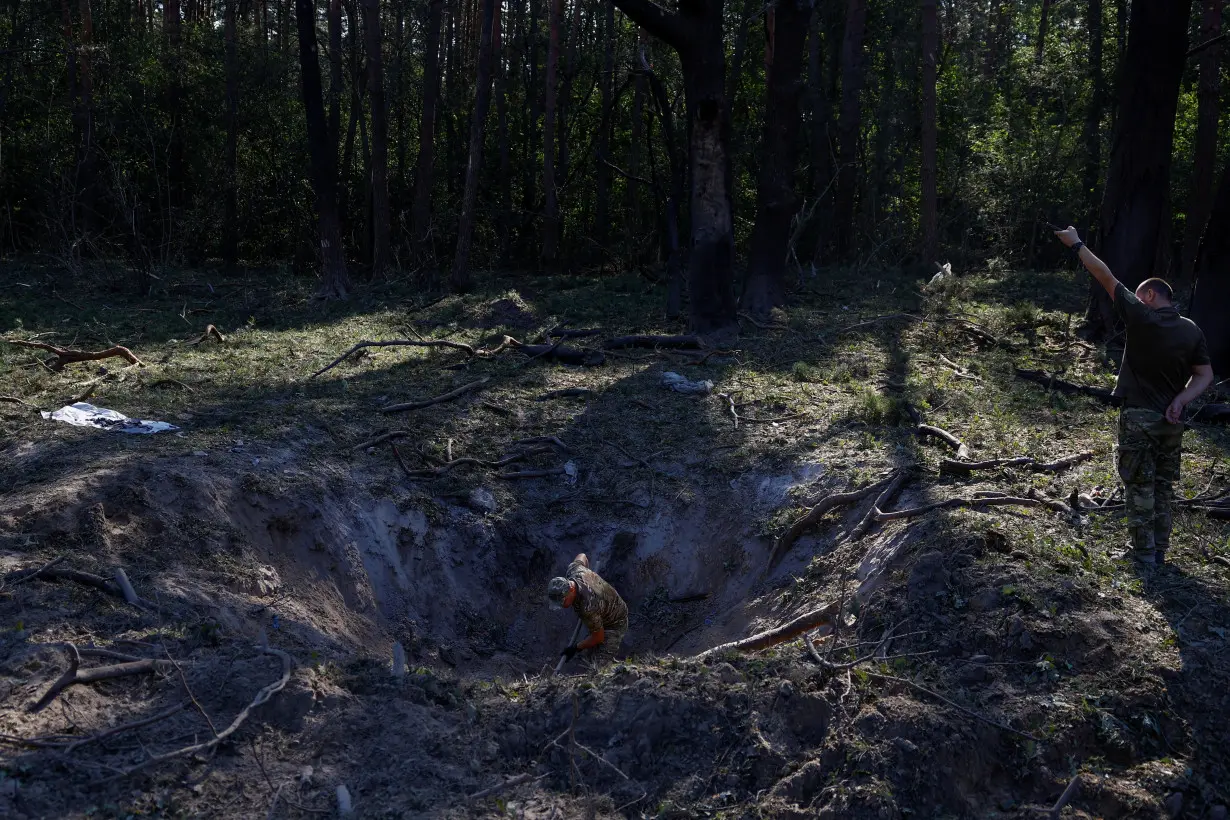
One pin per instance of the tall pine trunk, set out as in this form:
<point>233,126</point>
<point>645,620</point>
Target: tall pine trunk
<point>1135,202</point>
<point>930,55</point>
<point>420,214</point>
<point>1211,305</point>
<point>482,101</point>
<point>1205,162</point>
<point>550,210</point>
<point>765,287</point>
<point>230,220</point>
<point>849,127</point>
<point>334,281</point>
<point>381,219</point>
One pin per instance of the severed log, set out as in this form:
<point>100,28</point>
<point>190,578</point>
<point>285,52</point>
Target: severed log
<point>65,356</point>
<point>465,348</point>
<point>945,436</point>
<point>817,512</point>
<point>449,396</point>
<point>954,466</point>
<point>678,342</point>
<point>822,618</point>
<point>1052,382</point>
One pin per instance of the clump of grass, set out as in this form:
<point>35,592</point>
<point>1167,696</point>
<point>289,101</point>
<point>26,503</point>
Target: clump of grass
<point>873,407</point>
<point>804,372</point>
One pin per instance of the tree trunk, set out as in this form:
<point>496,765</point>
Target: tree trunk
<point>930,53</point>
<point>1205,161</point>
<point>482,101</point>
<point>1211,303</point>
<point>633,218</point>
<point>174,92</point>
<point>853,70</point>
<point>572,68</point>
<point>674,193</point>
<point>420,214</point>
<point>765,286</point>
<point>602,181</point>
<point>1093,117</point>
<point>335,283</point>
<point>550,211</point>
<point>381,220</point>
<point>1134,204</point>
<point>230,220</point>
<point>1043,23</point>
<point>500,46</point>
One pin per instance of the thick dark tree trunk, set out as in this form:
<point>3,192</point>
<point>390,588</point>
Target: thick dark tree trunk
<point>1205,162</point>
<point>420,214</point>
<point>930,56</point>
<point>765,286</point>
<point>1211,305</point>
<point>334,283</point>
<point>1134,204</point>
<point>550,210</point>
<point>602,171</point>
<point>381,219</point>
<point>849,127</point>
<point>230,219</point>
<point>482,101</point>
<point>1043,24</point>
<point>1093,116</point>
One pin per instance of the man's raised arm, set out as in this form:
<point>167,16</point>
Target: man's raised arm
<point>1092,264</point>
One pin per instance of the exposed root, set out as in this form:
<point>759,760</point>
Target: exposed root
<point>15,400</point>
<point>817,512</point>
<point>449,396</point>
<point>949,465</point>
<point>972,503</point>
<point>730,405</point>
<point>74,674</point>
<point>567,393</point>
<point>532,473</point>
<point>822,618</point>
<point>465,348</point>
<point>65,356</point>
<point>210,330</point>
<point>1053,382</point>
<point>381,439</point>
<point>507,784</point>
<point>964,710</point>
<point>551,352</point>
<point>436,472</point>
<point>894,487</point>
<point>52,572</point>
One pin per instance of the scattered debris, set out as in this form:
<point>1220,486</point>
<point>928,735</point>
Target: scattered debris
<point>680,384</point>
<point>83,414</point>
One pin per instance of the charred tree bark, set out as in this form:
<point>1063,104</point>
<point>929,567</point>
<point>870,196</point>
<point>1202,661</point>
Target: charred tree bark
<point>930,55</point>
<point>1093,117</point>
<point>1211,303</point>
<point>765,286</point>
<point>602,181</point>
<point>420,213</point>
<point>853,72</point>
<point>230,218</point>
<point>550,210</point>
<point>482,101</point>
<point>1209,112</point>
<point>335,282</point>
<point>1134,203</point>
<point>380,216</point>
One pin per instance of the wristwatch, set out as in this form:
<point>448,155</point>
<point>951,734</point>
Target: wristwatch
<point>1076,249</point>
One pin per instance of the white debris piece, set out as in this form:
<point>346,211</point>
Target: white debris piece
<point>83,414</point>
<point>682,385</point>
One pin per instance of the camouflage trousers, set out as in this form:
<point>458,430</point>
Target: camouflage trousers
<point>604,653</point>
<point>1149,454</point>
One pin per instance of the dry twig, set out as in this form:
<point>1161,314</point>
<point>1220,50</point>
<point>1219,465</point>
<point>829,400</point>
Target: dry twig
<point>465,348</point>
<point>449,396</point>
<point>65,356</point>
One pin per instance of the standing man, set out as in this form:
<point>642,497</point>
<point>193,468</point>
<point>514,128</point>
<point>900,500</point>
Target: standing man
<point>596,603</point>
<point>1165,366</point>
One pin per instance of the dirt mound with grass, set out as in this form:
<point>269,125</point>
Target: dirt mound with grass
<point>982,645</point>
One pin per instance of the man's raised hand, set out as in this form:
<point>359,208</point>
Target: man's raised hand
<point>1068,236</point>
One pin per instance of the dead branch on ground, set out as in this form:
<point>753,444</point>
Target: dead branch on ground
<point>436,472</point>
<point>1053,382</point>
<point>261,698</point>
<point>75,675</point>
<point>964,710</point>
<point>567,393</point>
<point>65,356</point>
<point>381,439</point>
<point>551,352</point>
<point>972,503</point>
<point>961,372</point>
<point>949,465</point>
<point>817,512</point>
<point>465,348</point>
<point>449,396</point>
<point>676,342</point>
<point>51,572</point>
<point>15,400</point>
<point>536,440</point>
<point>945,436</point>
<point>821,618</point>
<point>894,487</point>
<point>532,473</point>
<point>210,330</point>
<point>124,727</point>
<point>731,406</point>
<point>507,784</point>
<point>575,334</point>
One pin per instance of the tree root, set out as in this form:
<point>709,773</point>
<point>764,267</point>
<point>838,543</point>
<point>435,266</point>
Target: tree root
<point>894,487</point>
<point>551,352</point>
<point>261,698</point>
<point>817,512</point>
<point>964,710</point>
<point>210,330</point>
<point>436,472</point>
<point>52,572</point>
<point>973,503</point>
<point>821,618</point>
<point>1052,382</point>
<point>65,356</point>
<point>465,348</point>
<point>532,473</point>
<point>945,436</point>
<point>449,396</point>
<point>567,393</point>
<point>677,342</point>
<point>500,787</point>
<point>74,674</point>
<point>954,466</point>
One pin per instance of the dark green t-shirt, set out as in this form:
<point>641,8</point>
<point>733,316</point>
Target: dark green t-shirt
<point>1162,348</point>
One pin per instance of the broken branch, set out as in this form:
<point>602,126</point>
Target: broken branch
<point>678,342</point>
<point>75,674</point>
<point>821,618</point>
<point>1052,382</point>
<point>66,356</point>
<point>948,465</point>
<point>449,396</point>
<point>465,348</point>
<point>945,436</point>
<point>817,512</point>
<point>210,330</point>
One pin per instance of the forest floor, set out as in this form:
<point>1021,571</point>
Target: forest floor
<point>990,657</point>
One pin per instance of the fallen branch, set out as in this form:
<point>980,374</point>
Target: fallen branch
<point>261,698</point>
<point>894,487</point>
<point>817,512</point>
<point>465,348</point>
<point>75,675</point>
<point>532,473</point>
<point>575,334</point>
<point>65,356</point>
<point>566,393</point>
<point>730,405</point>
<point>51,572</point>
<point>945,436</point>
<point>677,342</point>
<point>537,440</point>
<point>449,396</point>
<point>210,330</point>
<point>955,503</point>
<point>15,400</point>
<point>1069,794</point>
<point>507,784</point>
<point>551,352</point>
<point>821,618</point>
<point>436,472</point>
<point>381,439</point>
<point>1052,382</point>
<point>21,576</point>
<point>958,369</point>
<point>949,465</point>
<point>920,688</point>
<point>124,727</point>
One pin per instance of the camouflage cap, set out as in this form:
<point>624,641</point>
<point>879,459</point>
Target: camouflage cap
<point>557,591</point>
